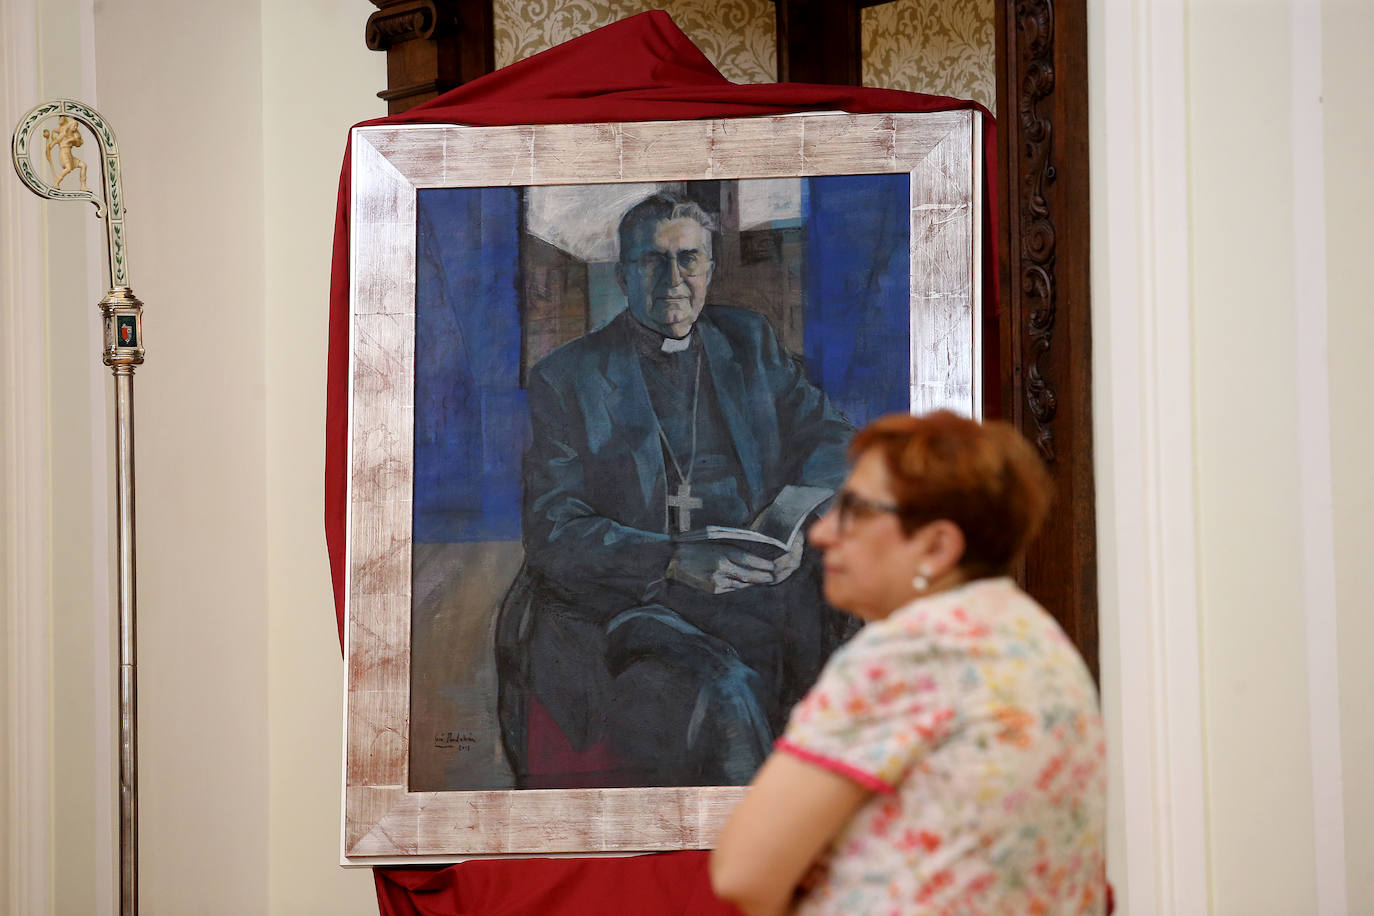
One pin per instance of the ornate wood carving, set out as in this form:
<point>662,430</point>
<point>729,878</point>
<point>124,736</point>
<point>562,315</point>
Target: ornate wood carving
<point>431,46</point>
<point>1045,325</point>
<point>405,21</point>
<point>1035,44</point>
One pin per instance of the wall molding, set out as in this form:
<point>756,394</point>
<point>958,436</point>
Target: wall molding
<point>24,559</point>
<point>1314,456</point>
<point>104,610</point>
<point>29,805</point>
<point>431,46</point>
<point>1145,457</point>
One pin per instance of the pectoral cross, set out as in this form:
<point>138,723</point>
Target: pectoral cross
<point>684,502</point>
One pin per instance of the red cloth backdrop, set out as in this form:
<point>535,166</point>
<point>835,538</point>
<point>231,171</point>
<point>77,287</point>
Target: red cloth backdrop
<point>640,69</point>
<point>671,884</point>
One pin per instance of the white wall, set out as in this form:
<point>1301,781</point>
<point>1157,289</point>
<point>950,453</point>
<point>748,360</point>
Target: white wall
<point>193,170</point>
<point>1245,409</point>
<point>1268,235</point>
<point>303,145</point>
<point>77,447</point>
<point>25,759</point>
<point>1348,72</point>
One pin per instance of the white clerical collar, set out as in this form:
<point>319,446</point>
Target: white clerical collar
<point>676,345</point>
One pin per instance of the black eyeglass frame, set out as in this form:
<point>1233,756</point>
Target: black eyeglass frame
<point>658,265</point>
<point>848,505</point>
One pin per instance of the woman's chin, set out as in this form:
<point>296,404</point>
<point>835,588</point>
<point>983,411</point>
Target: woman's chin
<point>853,605</point>
<point>836,598</point>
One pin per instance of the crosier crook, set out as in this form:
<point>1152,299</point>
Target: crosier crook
<point>123,318</point>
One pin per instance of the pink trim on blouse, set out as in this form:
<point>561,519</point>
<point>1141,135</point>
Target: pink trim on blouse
<point>867,780</point>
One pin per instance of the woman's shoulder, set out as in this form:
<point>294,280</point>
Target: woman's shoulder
<point>931,626</point>
<point>980,599</point>
<point>975,619</point>
<point>976,622</point>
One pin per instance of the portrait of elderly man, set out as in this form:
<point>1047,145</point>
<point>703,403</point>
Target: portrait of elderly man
<point>669,660</point>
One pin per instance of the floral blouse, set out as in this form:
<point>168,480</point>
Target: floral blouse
<point>976,723</point>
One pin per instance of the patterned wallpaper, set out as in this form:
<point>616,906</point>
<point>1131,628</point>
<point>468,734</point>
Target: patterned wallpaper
<point>944,47</point>
<point>735,35</point>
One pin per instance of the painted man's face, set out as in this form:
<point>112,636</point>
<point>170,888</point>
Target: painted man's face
<point>665,274</point>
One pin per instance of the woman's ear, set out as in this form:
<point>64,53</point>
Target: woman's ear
<point>940,547</point>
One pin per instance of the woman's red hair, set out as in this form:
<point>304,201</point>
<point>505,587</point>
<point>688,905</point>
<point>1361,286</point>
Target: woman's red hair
<point>983,477</point>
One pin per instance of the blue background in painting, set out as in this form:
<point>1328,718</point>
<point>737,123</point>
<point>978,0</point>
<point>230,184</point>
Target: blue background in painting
<point>471,419</point>
<point>858,292</point>
<point>471,423</point>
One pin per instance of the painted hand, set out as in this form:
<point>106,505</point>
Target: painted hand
<point>787,564</point>
<point>717,569</point>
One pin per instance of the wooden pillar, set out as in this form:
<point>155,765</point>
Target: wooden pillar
<point>431,46</point>
<point>819,41</point>
<point>1046,334</point>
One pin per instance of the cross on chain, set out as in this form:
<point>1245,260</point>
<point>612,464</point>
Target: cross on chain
<point>684,502</point>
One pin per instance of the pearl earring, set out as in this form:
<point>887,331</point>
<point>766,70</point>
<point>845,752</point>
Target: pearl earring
<point>922,580</point>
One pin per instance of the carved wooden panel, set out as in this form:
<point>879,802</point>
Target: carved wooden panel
<point>1046,331</point>
<point>431,46</point>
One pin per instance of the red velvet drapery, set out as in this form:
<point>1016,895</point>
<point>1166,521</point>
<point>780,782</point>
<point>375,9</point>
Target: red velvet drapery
<point>640,69</point>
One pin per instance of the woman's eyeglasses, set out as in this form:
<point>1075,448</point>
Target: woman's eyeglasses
<point>849,506</point>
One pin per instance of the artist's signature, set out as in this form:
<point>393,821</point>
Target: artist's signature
<point>461,741</point>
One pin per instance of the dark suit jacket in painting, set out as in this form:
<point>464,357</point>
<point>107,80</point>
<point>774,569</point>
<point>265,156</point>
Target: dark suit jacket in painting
<point>683,687</point>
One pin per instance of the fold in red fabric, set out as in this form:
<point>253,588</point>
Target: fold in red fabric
<point>640,69</point>
<point>673,884</point>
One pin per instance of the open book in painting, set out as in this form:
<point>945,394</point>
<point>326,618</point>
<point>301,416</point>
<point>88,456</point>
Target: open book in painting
<point>777,530</point>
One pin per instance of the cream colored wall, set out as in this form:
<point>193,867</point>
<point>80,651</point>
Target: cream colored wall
<point>1262,724</point>
<point>25,758</point>
<point>1348,72</point>
<point>313,100</point>
<point>1252,231</point>
<point>1258,775</point>
<point>182,86</point>
<point>81,662</point>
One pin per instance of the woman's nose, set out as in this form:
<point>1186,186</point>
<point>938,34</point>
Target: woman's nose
<point>822,533</point>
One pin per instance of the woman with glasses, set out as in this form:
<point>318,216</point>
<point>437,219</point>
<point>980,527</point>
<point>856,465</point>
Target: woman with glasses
<point>950,759</point>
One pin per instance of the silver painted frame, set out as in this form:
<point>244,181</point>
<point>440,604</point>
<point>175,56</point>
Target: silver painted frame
<point>384,822</point>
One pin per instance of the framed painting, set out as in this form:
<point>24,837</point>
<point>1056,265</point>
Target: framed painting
<point>602,377</point>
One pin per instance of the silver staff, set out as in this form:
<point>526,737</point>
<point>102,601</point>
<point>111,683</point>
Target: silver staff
<point>123,316</point>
